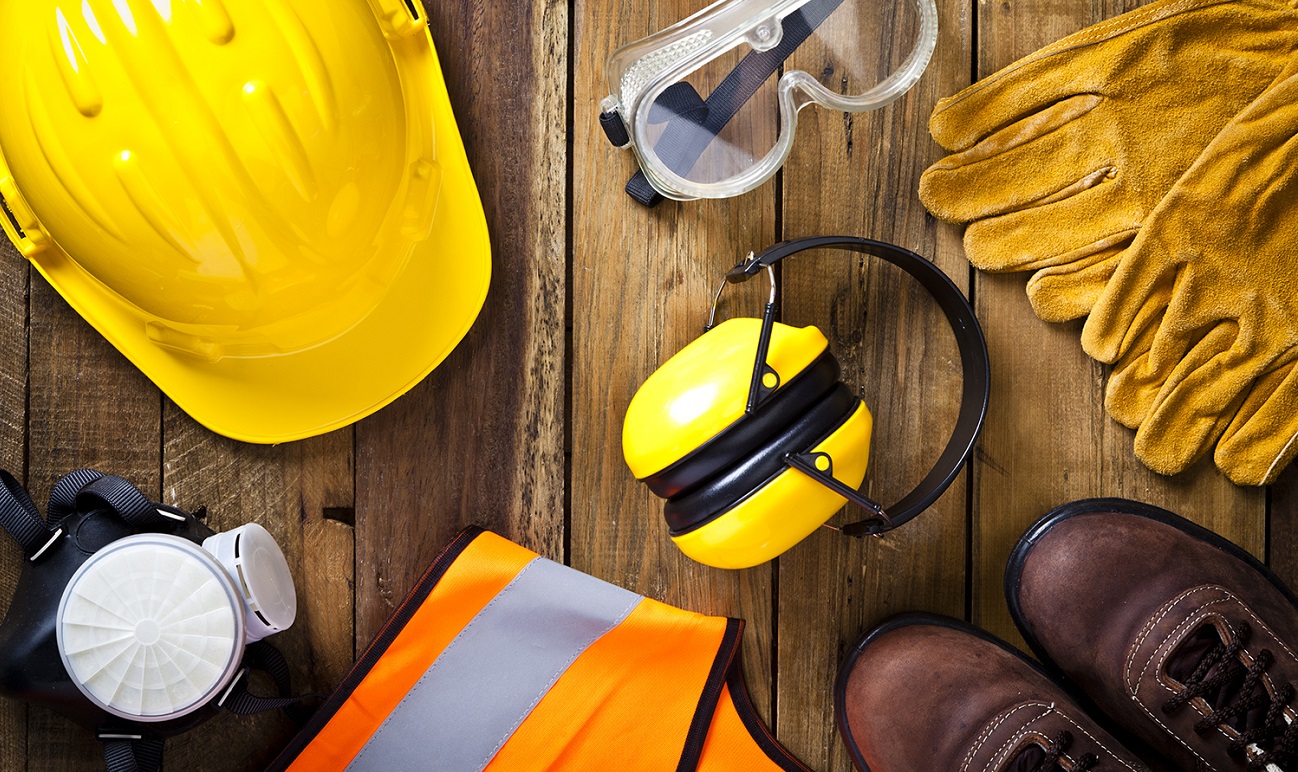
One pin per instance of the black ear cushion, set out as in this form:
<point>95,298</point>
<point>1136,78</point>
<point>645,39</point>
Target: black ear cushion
<point>736,441</point>
<point>686,512</point>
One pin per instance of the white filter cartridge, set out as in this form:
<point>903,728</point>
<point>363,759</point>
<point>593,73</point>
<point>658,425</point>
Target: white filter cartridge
<point>150,628</point>
<point>260,571</point>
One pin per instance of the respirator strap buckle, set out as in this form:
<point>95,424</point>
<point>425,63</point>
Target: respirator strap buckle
<point>20,518</point>
<point>58,532</point>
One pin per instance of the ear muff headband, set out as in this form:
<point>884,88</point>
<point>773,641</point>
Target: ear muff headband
<point>976,387</point>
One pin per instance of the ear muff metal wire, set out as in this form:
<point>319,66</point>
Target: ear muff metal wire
<point>758,389</point>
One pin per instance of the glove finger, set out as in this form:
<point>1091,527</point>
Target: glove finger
<point>1015,94</point>
<point>1198,401</point>
<point>1061,293</point>
<point>1152,353</point>
<point>1085,63</point>
<point>1135,381</point>
<point>1262,440</point>
<point>1145,276</point>
<point>1056,233</point>
<point>1053,154</point>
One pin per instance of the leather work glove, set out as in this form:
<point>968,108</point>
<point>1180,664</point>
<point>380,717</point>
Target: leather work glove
<point>1203,309</point>
<point>1060,157</point>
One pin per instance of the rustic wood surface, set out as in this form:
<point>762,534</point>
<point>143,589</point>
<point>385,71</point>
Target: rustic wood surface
<point>520,429</point>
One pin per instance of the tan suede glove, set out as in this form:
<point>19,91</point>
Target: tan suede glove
<point>1061,156</point>
<point>1203,309</point>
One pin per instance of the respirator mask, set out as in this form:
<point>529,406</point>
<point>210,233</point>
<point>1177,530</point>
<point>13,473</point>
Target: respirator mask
<point>134,618</point>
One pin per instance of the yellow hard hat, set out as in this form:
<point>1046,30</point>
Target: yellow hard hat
<point>264,204</point>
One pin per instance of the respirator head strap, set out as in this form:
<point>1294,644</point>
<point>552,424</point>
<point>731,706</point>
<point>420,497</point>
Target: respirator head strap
<point>83,490</point>
<point>20,518</point>
<point>976,386</point>
<point>268,659</point>
<point>128,502</point>
<point>63,496</point>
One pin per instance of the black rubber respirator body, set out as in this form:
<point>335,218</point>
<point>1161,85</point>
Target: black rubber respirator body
<point>134,618</point>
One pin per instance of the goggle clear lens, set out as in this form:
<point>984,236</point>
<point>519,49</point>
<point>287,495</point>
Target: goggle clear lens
<point>711,127</point>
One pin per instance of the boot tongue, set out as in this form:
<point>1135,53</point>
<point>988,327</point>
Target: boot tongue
<point>1185,660</point>
<point>1029,760</point>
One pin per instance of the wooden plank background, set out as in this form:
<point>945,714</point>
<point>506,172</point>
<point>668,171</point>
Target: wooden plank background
<point>520,430</point>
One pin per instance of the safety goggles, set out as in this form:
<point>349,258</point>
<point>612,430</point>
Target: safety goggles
<point>709,107</point>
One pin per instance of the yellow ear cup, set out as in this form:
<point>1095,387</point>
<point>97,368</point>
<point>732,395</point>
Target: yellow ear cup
<point>703,389</point>
<point>785,510</point>
<point>733,501</point>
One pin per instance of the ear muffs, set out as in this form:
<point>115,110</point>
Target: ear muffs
<point>754,441</point>
<point>732,463</point>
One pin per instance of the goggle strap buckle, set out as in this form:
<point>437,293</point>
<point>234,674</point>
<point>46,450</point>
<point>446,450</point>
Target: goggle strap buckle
<point>645,194</point>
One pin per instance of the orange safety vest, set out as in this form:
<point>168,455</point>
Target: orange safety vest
<point>502,660</point>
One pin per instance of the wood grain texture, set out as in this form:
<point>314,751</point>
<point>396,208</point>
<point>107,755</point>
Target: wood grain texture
<point>1048,440</point>
<point>897,350</point>
<point>481,440</point>
<point>1282,542</point>
<point>14,277</point>
<point>90,408</point>
<point>520,429</point>
<point>642,284</point>
<point>302,493</point>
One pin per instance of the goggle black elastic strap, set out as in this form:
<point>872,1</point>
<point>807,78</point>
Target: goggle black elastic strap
<point>976,387</point>
<point>694,123</point>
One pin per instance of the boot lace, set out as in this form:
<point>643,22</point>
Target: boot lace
<point>1055,752</point>
<point>1273,736</point>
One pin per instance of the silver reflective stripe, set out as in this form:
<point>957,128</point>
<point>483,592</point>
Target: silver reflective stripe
<point>477,693</point>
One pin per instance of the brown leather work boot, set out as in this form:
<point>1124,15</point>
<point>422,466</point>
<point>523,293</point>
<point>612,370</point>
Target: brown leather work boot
<point>924,693</point>
<point>1181,637</point>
